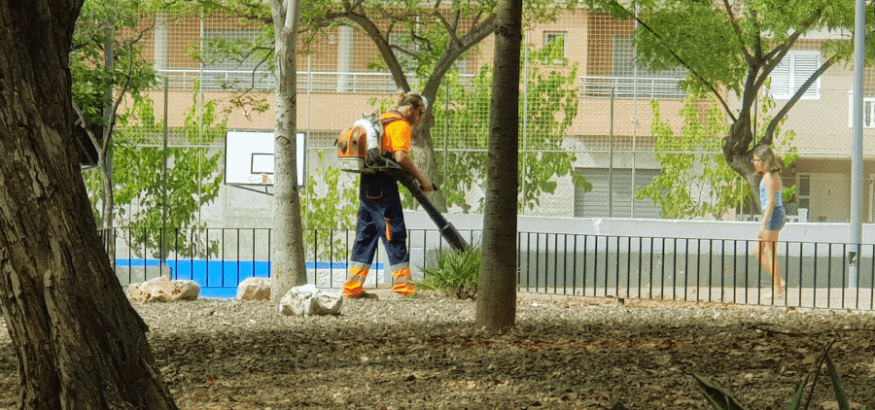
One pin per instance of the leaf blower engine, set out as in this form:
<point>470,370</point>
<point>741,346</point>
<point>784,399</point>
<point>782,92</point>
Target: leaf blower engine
<point>358,147</point>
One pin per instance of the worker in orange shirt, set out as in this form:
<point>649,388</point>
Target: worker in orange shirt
<point>380,214</point>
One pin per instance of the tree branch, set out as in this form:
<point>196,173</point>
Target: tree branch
<point>770,131</point>
<point>421,39</point>
<point>108,130</point>
<point>84,125</point>
<point>254,71</point>
<point>450,30</point>
<point>476,20</point>
<point>687,66</point>
<point>759,40</point>
<point>454,51</point>
<point>383,46</point>
<point>747,56</point>
<point>774,58</point>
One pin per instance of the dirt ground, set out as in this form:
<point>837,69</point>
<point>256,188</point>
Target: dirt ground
<point>564,353</point>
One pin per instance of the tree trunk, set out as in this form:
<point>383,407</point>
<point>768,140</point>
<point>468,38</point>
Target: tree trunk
<point>105,152</point>
<point>496,295</point>
<point>738,153</point>
<point>288,269</point>
<point>424,159</point>
<point>108,192</point>
<point>78,341</point>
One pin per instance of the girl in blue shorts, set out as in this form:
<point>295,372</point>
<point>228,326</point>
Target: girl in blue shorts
<point>771,187</point>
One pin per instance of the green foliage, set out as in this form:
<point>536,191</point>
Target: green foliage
<point>457,273</point>
<point>128,76</point>
<point>717,397</point>
<point>193,177</point>
<point>717,51</point>
<point>721,400</point>
<point>735,48</point>
<point>91,78</point>
<point>695,180</point>
<point>94,181</point>
<point>463,128</point>
<point>330,202</point>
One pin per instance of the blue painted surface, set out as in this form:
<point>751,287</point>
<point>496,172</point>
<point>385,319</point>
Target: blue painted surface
<point>219,279</point>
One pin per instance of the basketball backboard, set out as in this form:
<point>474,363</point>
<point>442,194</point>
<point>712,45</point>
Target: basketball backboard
<point>249,158</point>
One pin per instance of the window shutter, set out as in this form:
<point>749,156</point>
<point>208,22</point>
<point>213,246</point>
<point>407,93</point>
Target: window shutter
<point>780,87</point>
<point>793,71</point>
<point>804,65</point>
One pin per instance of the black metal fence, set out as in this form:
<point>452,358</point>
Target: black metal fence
<point>819,275</point>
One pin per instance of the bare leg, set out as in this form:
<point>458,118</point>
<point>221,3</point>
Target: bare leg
<point>768,256</point>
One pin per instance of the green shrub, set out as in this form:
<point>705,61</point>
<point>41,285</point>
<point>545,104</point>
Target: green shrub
<point>457,273</point>
<point>721,400</point>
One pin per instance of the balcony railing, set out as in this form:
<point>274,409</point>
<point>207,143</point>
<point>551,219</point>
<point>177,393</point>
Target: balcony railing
<point>631,87</point>
<point>314,81</point>
<point>677,269</point>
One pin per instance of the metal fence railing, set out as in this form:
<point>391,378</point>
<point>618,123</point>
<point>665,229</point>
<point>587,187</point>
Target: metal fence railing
<point>629,87</point>
<point>816,275</point>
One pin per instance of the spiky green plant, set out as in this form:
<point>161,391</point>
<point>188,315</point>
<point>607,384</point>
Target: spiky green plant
<point>721,400</point>
<point>457,273</point>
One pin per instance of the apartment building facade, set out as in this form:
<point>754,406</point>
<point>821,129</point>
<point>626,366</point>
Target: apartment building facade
<point>610,136</point>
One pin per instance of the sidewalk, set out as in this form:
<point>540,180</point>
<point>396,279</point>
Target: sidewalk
<point>857,299</point>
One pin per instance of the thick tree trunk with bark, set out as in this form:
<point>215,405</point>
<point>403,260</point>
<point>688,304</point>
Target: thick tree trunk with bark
<point>78,341</point>
<point>288,268</point>
<point>496,294</point>
<point>424,158</point>
<point>738,154</point>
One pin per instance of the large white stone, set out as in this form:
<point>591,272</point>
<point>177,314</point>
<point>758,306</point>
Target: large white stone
<point>307,300</point>
<point>162,289</point>
<point>254,289</point>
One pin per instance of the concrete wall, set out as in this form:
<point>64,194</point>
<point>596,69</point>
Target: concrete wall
<point>658,254</point>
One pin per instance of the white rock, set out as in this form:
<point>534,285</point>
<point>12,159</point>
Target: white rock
<point>254,289</point>
<point>307,300</point>
<point>162,289</point>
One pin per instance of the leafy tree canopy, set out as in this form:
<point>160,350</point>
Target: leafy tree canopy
<point>193,176</point>
<point>462,125</point>
<point>695,181</point>
<point>735,45</point>
<point>129,74</point>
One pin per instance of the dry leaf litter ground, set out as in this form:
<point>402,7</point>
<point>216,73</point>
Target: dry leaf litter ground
<point>564,353</point>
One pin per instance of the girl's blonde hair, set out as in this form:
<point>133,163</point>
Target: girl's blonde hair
<point>770,160</point>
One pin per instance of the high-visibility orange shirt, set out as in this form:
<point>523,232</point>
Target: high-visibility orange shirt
<point>397,134</point>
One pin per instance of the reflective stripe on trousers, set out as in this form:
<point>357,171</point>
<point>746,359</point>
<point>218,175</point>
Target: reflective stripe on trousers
<point>355,282</point>
<point>403,283</point>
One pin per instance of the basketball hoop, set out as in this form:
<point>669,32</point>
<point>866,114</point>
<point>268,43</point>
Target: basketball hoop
<point>263,179</point>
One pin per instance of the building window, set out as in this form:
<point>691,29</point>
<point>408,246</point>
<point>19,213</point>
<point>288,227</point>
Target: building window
<point>803,182</point>
<point>630,80</point>
<point>793,71</point>
<point>598,203</point>
<point>560,38</point>
<point>868,100</point>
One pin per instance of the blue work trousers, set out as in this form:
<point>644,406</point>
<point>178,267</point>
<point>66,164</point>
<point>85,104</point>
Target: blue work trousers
<point>380,216</point>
